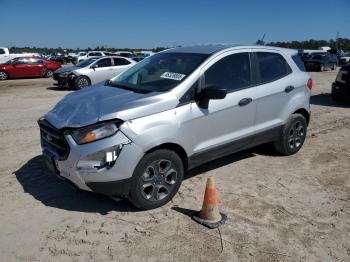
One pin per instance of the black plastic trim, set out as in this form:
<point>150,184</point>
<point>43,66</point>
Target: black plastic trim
<point>232,147</point>
<point>119,188</point>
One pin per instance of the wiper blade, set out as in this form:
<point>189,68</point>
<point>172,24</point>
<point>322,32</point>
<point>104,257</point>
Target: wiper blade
<point>128,87</point>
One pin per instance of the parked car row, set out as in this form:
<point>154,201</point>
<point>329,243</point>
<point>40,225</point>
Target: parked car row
<point>92,70</point>
<point>5,55</point>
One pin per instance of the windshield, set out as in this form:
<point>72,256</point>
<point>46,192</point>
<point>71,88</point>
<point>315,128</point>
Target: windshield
<point>160,72</point>
<point>87,62</point>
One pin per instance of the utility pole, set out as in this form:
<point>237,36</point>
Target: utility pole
<point>336,41</point>
<point>261,41</point>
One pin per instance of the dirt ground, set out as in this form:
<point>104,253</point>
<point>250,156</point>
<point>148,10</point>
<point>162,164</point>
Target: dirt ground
<point>293,208</point>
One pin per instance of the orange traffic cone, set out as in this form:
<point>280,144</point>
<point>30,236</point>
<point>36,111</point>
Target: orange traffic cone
<point>210,215</point>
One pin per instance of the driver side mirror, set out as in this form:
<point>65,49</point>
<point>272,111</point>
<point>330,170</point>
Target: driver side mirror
<point>14,63</point>
<point>208,93</point>
<point>94,66</point>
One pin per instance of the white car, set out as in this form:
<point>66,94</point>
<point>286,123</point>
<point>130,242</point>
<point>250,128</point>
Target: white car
<point>92,71</point>
<point>344,59</point>
<point>84,56</point>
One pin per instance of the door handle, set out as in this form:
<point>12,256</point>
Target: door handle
<point>245,101</point>
<point>289,89</point>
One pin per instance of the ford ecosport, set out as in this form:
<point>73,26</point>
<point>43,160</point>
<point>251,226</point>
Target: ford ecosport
<point>135,135</point>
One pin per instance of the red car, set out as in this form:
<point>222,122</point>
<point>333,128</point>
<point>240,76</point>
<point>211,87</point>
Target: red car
<point>28,67</point>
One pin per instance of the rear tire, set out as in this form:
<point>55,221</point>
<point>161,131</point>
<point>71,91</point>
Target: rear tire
<point>3,75</point>
<point>321,67</point>
<point>156,179</point>
<point>293,135</point>
<point>48,73</point>
<point>81,82</point>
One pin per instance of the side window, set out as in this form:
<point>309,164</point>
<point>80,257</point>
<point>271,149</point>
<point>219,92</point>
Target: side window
<point>22,61</point>
<point>190,94</point>
<point>95,54</point>
<point>2,51</point>
<point>297,60</point>
<point>104,62</point>
<point>120,61</point>
<point>272,66</point>
<point>36,61</point>
<point>231,72</point>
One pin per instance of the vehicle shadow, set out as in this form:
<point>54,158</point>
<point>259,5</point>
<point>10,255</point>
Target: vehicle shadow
<point>326,100</point>
<point>37,180</point>
<point>59,88</point>
<point>265,150</point>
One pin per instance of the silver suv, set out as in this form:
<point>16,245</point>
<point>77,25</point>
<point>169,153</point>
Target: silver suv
<point>135,135</point>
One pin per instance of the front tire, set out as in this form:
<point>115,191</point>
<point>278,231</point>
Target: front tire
<point>81,82</point>
<point>156,179</point>
<point>3,75</point>
<point>293,135</point>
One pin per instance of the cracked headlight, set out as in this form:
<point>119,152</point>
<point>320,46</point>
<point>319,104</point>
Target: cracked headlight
<point>64,74</point>
<point>94,133</point>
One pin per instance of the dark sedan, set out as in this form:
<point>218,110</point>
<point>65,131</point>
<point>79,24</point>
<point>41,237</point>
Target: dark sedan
<point>341,85</point>
<point>321,62</point>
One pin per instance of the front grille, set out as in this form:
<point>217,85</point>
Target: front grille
<point>53,140</point>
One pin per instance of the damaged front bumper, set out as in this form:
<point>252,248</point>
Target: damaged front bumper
<point>104,166</point>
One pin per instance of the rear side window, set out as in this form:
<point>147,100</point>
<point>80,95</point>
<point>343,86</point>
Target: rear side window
<point>120,61</point>
<point>95,54</point>
<point>272,66</point>
<point>231,72</point>
<point>297,60</point>
<point>104,62</point>
<point>36,61</point>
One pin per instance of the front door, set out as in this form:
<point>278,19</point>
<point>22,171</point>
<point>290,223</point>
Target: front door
<point>20,68</point>
<point>228,124</point>
<point>102,70</point>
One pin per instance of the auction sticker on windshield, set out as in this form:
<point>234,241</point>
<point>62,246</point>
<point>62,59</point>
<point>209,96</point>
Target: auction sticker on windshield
<point>173,76</point>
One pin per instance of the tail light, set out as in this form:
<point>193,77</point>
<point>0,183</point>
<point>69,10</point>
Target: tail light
<point>309,83</point>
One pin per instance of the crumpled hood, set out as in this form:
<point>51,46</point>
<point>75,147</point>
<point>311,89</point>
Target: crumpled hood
<point>66,69</point>
<point>100,103</point>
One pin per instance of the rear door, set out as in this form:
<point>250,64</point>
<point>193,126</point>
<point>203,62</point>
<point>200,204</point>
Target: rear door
<point>36,67</point>
<point>274,89</point>
<point>227,124</point>
<point>102,70</point>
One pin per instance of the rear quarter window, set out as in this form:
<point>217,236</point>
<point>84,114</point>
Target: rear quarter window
<point>300,64</point>
<point>271,67</point>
